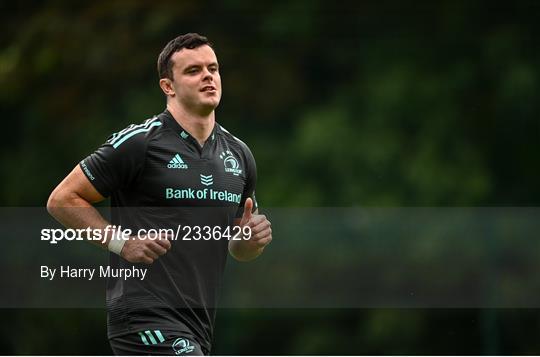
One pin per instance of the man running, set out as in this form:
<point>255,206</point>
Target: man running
<point>181,171</point>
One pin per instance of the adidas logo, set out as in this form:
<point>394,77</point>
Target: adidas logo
<point>177,163</point>
<point>207,180</point>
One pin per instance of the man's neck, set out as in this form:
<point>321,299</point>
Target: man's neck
<point>199,126</point>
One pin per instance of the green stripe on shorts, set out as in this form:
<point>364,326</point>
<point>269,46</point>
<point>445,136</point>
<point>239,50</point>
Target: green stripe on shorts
<point>143,338</point>
<point>159,335</point>
<point>151,337</point>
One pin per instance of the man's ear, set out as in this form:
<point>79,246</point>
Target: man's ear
<point>167,87</point>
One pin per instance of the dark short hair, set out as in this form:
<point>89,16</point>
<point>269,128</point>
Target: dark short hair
<point>189,41</point>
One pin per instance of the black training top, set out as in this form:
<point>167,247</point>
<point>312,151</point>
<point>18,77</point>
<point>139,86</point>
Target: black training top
<point>159,177</point>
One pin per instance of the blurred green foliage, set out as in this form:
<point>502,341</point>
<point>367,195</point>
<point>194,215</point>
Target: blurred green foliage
<point>377,103</point>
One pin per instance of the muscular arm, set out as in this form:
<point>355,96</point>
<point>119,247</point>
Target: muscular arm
<point>71,204</point>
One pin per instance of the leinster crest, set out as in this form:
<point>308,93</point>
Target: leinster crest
<point>230,163</point>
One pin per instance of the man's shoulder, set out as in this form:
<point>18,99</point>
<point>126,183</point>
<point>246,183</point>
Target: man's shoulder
<point>137,133</point>
<point>238,146</point>
<point>232,139</point>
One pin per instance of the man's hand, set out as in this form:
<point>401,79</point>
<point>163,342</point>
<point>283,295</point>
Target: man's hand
<point>261,234</point>
<point>145,250</point>
<point>261,230</point>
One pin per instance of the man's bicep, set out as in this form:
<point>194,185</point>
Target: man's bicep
<point>77,183</point>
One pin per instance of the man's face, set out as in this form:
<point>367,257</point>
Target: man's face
<point>196,82</point>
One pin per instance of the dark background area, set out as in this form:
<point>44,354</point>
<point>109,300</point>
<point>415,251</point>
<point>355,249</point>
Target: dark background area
<point>377,103</point>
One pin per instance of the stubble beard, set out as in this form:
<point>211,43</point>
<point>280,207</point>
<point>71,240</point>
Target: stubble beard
<point>201,106</point>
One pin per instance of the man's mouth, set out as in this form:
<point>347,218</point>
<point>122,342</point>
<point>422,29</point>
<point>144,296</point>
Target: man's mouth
<point>208,89</point>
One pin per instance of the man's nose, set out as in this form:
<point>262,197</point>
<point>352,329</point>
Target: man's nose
<point>207,75</point>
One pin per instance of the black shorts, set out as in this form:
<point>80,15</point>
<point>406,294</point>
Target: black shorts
<point>157,342</point>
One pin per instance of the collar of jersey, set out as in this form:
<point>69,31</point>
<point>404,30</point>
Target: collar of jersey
<point>183,133</point>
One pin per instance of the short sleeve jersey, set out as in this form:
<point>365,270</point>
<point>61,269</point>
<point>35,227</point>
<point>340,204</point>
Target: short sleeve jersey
<point>159,177</point>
